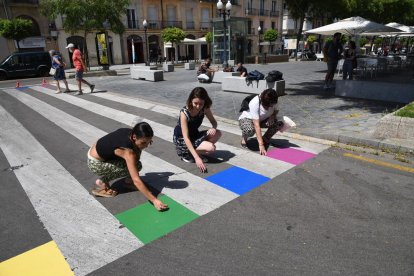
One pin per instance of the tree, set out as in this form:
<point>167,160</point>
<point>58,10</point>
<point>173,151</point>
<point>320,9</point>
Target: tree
<point>209,40</point>
<point>173,35</point>
<point>87,15</point>
<point>301,9</point>
<point>270,35</point>
<point>381,11</point>
<point>16,29</point>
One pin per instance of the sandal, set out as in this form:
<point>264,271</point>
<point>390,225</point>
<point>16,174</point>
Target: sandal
<point>104,192</point>
<point>243,145</point>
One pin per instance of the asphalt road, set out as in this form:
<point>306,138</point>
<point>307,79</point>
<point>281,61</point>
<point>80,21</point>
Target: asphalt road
<point>346,212</point>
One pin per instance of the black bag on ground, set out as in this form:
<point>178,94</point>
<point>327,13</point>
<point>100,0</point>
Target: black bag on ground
<point>245,103</point>
<point>274,75</point>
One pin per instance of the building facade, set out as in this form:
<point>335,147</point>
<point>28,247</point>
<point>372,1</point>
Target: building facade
<point>41,38</point>
<point>195,17</point>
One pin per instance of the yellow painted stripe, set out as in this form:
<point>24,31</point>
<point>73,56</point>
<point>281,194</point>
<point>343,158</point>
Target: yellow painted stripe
<point>380,163</point>
<point>44,260</point>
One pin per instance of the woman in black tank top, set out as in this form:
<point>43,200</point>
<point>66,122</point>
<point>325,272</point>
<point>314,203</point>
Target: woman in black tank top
<point>117,155</point>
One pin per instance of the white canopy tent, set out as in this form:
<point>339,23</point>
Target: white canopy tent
<point>403,30</point>
<point>353,26</point>
<point>186,42</point>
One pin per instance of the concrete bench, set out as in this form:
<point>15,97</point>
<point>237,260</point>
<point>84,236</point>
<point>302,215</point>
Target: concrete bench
<point>142,72</point>
<point>189,66</point>
<point>238,84</point>
<point>142,65</point>
<point>220,75</point>
<point>168,67</point>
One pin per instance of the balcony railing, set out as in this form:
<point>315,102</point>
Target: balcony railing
<point>205,25</point>
<point>250,11</point>
<point>169,23</point>
<point>264,12</point>
<point>235,2</point>
<point>190,25</point>
<point>274,13</point>
<point>133,24</point>
<point>158,24</point>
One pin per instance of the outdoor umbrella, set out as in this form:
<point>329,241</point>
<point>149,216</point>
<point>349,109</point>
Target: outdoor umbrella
<point>353,26</point>
<point>403,30</point>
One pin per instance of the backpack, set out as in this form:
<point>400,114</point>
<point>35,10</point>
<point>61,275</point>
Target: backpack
<point>274,75</point>
<point>254,76</point>
<point>245,103</point>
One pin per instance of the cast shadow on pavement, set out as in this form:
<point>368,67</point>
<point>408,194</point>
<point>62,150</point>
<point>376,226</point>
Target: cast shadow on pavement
<point>99,91</point>
<point>315,90</point>
<point>220,156</point>
<point>155,182</point>
<point>253,145</point>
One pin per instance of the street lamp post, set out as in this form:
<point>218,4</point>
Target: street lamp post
<point>145,24</point>
<point>259,29</point>
<point>225,12</point>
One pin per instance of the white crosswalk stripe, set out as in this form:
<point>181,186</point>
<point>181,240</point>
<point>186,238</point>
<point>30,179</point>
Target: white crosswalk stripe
<point>89,216</point>
<point>56,194</point>
<point>242,158</point>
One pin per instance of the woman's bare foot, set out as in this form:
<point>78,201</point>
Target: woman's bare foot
<point>101,184</point>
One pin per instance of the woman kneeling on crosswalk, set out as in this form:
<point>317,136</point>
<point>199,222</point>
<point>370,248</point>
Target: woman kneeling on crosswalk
<point>117,155</point>
<point>191,143</point>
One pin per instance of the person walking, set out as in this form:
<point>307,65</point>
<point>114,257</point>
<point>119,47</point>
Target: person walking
<point>262,113</point>
<point>117,155</point>
<point>80,68</point>
<point>332,52</point>
<point>189,141</point>
<point>59,67</point>
<point>349,61</point>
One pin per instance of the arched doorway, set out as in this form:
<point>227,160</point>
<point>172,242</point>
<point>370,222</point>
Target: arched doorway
<point>35,42</point>
<point>138,49</point>
<point>35,26</point>
<point>80,43</point>
<point>154,48</point>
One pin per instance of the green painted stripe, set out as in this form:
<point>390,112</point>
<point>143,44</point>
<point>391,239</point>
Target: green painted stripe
<point>148,224</point>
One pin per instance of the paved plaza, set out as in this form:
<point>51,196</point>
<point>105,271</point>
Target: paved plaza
<point>317,112</point>
<point>309,207</point>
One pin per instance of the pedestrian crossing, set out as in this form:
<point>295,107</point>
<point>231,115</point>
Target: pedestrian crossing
<point>46,136</point>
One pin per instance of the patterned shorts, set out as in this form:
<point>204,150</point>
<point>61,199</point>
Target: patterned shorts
<point>181,147</point>
<point>110,170</point>
<point>247,127</point>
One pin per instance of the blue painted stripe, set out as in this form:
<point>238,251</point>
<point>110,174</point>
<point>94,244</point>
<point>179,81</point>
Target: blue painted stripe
<point>238,180</point>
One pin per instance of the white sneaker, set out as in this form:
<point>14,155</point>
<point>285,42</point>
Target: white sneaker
<point>188,159</point>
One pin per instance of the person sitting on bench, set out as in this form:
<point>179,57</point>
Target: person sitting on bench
<point>205,73</point>
<point>241,69</point>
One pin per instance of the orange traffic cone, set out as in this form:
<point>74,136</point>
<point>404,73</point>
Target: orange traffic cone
<point>17,84</point>
<point>44,82</point>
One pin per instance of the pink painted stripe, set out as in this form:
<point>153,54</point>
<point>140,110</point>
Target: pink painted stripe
<point>289,155</point>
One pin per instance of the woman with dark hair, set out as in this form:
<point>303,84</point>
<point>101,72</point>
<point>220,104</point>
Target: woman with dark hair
<point>191,143</point>
<point>349,61</point>
<point>261,114</point>
<point>117,155</point>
